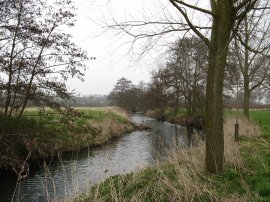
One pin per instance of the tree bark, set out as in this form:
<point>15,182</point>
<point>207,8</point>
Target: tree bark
<point>246,100</point>
<point>246,73</point>
<point>218,47</point>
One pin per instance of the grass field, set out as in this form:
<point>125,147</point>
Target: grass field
<point>263,120</point>
<point>80,128</point>
<point>246,176</point>
<point>49,132</point>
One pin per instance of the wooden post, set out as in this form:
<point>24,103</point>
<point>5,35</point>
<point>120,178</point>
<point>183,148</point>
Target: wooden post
<point>236,132</point>
<point>236,127</point>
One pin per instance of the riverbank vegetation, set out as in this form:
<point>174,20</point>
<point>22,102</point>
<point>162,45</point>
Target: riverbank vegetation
<point>47,133</point>
<point>183,177</point>
<point>37,59</point>
<point>218,61</point>
<point>209,63</point>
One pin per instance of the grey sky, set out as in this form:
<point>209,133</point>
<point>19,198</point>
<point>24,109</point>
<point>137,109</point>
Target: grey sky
<point>112,61</point>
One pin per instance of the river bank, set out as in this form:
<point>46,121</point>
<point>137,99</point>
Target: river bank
<point>183,177</point>
<point>168,115</point>
<point>72,174</point>
<point>48,136</point>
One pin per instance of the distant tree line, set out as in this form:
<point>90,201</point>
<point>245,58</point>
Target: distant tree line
<point>88,101</point>
<point>180,83</point>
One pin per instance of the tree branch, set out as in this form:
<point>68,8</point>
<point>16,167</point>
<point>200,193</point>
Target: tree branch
<point>194,29</point>
<point>244,3</point>
<point>250,48</point>
<point>195,7</point>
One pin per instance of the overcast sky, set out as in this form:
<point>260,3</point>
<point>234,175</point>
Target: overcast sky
<point>113,60</point>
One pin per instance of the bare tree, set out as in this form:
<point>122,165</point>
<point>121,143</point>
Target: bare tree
<point>128,96</point>
<point>225,17</point>
<point>158,94</point>
<point>254,64</point>
<point>186,73</point>
<point>36,56</point>
<point>120,93</point>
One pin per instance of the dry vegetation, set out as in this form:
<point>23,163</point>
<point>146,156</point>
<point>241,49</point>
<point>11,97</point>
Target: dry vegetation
<point>183,177</point>
<point>111,128</point>
<point>232,150</point>
<point>46,135</point>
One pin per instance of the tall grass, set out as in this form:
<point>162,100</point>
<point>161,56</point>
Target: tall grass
<point>232,149</point>
<point>49,182</point>
<point>182,177</point>
<point>44,134</point>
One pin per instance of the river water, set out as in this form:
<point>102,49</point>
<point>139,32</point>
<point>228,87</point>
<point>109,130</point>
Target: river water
<point>76,172</point>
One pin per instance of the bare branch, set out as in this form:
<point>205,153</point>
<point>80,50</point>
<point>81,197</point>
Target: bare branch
<point>250,48</point>
<point>194,29</point>
<point>245,3</point>
<point>195,7</point>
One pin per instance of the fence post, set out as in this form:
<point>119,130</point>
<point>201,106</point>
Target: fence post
<point>236,132</point>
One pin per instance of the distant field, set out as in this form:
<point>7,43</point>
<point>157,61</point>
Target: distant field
<point>262,117</point>
<point>258,106</point>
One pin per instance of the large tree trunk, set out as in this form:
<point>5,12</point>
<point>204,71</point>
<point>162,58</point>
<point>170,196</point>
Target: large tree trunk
<point>246,100</point>
<point>220,37</point>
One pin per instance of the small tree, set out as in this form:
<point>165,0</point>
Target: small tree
<point>186,73</point>
<point>37,56</point>
<point>254,63</point>
<point>120,93</point>
<point>158,95</point>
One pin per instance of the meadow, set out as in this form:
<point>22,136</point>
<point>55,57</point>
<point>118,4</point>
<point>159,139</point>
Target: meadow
<point>183,178</point>
<point>49,132</point>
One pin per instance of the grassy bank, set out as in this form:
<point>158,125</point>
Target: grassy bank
<point>246,176</point>
<point>170,115</point>
<point>51,132</point>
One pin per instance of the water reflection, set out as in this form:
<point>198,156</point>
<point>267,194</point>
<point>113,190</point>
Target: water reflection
<point>77,171</point>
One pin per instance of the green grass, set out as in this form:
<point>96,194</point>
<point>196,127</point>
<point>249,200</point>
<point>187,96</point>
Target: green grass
<point>263,119</point>
<point>248,183</point>
<point>52,123</point>
<point>49,132</point>
<point>99,115</point>
<point>257,157</point>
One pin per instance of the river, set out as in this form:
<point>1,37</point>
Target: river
<point>77,171</point>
